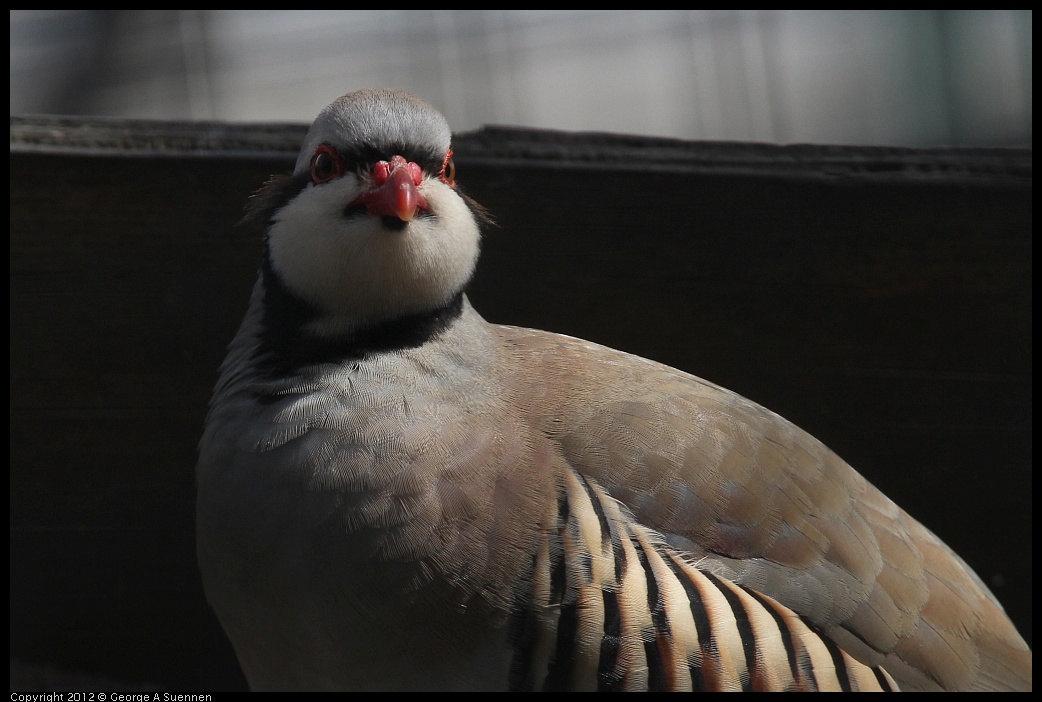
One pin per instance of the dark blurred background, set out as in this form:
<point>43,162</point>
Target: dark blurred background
<point>884,77</point>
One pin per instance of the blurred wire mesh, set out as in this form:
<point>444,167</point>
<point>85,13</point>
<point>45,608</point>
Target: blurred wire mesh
<point>887,77</point>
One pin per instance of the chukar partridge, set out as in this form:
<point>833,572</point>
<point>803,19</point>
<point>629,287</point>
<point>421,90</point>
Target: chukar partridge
<point>394,493</point>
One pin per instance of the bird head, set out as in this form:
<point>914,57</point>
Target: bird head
<point>370,227</point>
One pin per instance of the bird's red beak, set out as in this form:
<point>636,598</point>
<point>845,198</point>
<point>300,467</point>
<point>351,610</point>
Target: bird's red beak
<point>395,190</point>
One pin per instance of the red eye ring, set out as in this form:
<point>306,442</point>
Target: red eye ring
<point>326,165</point>
<point>447,174</point>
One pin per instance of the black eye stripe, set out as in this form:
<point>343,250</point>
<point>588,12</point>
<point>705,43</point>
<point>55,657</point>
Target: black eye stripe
<point>361,159</point>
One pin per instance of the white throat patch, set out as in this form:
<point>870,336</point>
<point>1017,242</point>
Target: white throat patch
<point>357,271</point>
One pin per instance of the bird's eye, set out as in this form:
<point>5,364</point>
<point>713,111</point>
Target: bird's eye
<point>448,170</point>
<point>326,165</point>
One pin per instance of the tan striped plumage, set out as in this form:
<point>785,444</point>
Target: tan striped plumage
<point>608,605</point>
<point>396,494</point>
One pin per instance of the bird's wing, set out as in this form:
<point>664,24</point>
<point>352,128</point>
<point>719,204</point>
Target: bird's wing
<point>607,604</point>
<point>762,503</point>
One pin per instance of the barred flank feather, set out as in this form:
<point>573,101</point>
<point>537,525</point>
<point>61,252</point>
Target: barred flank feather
<point>609,606</point>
